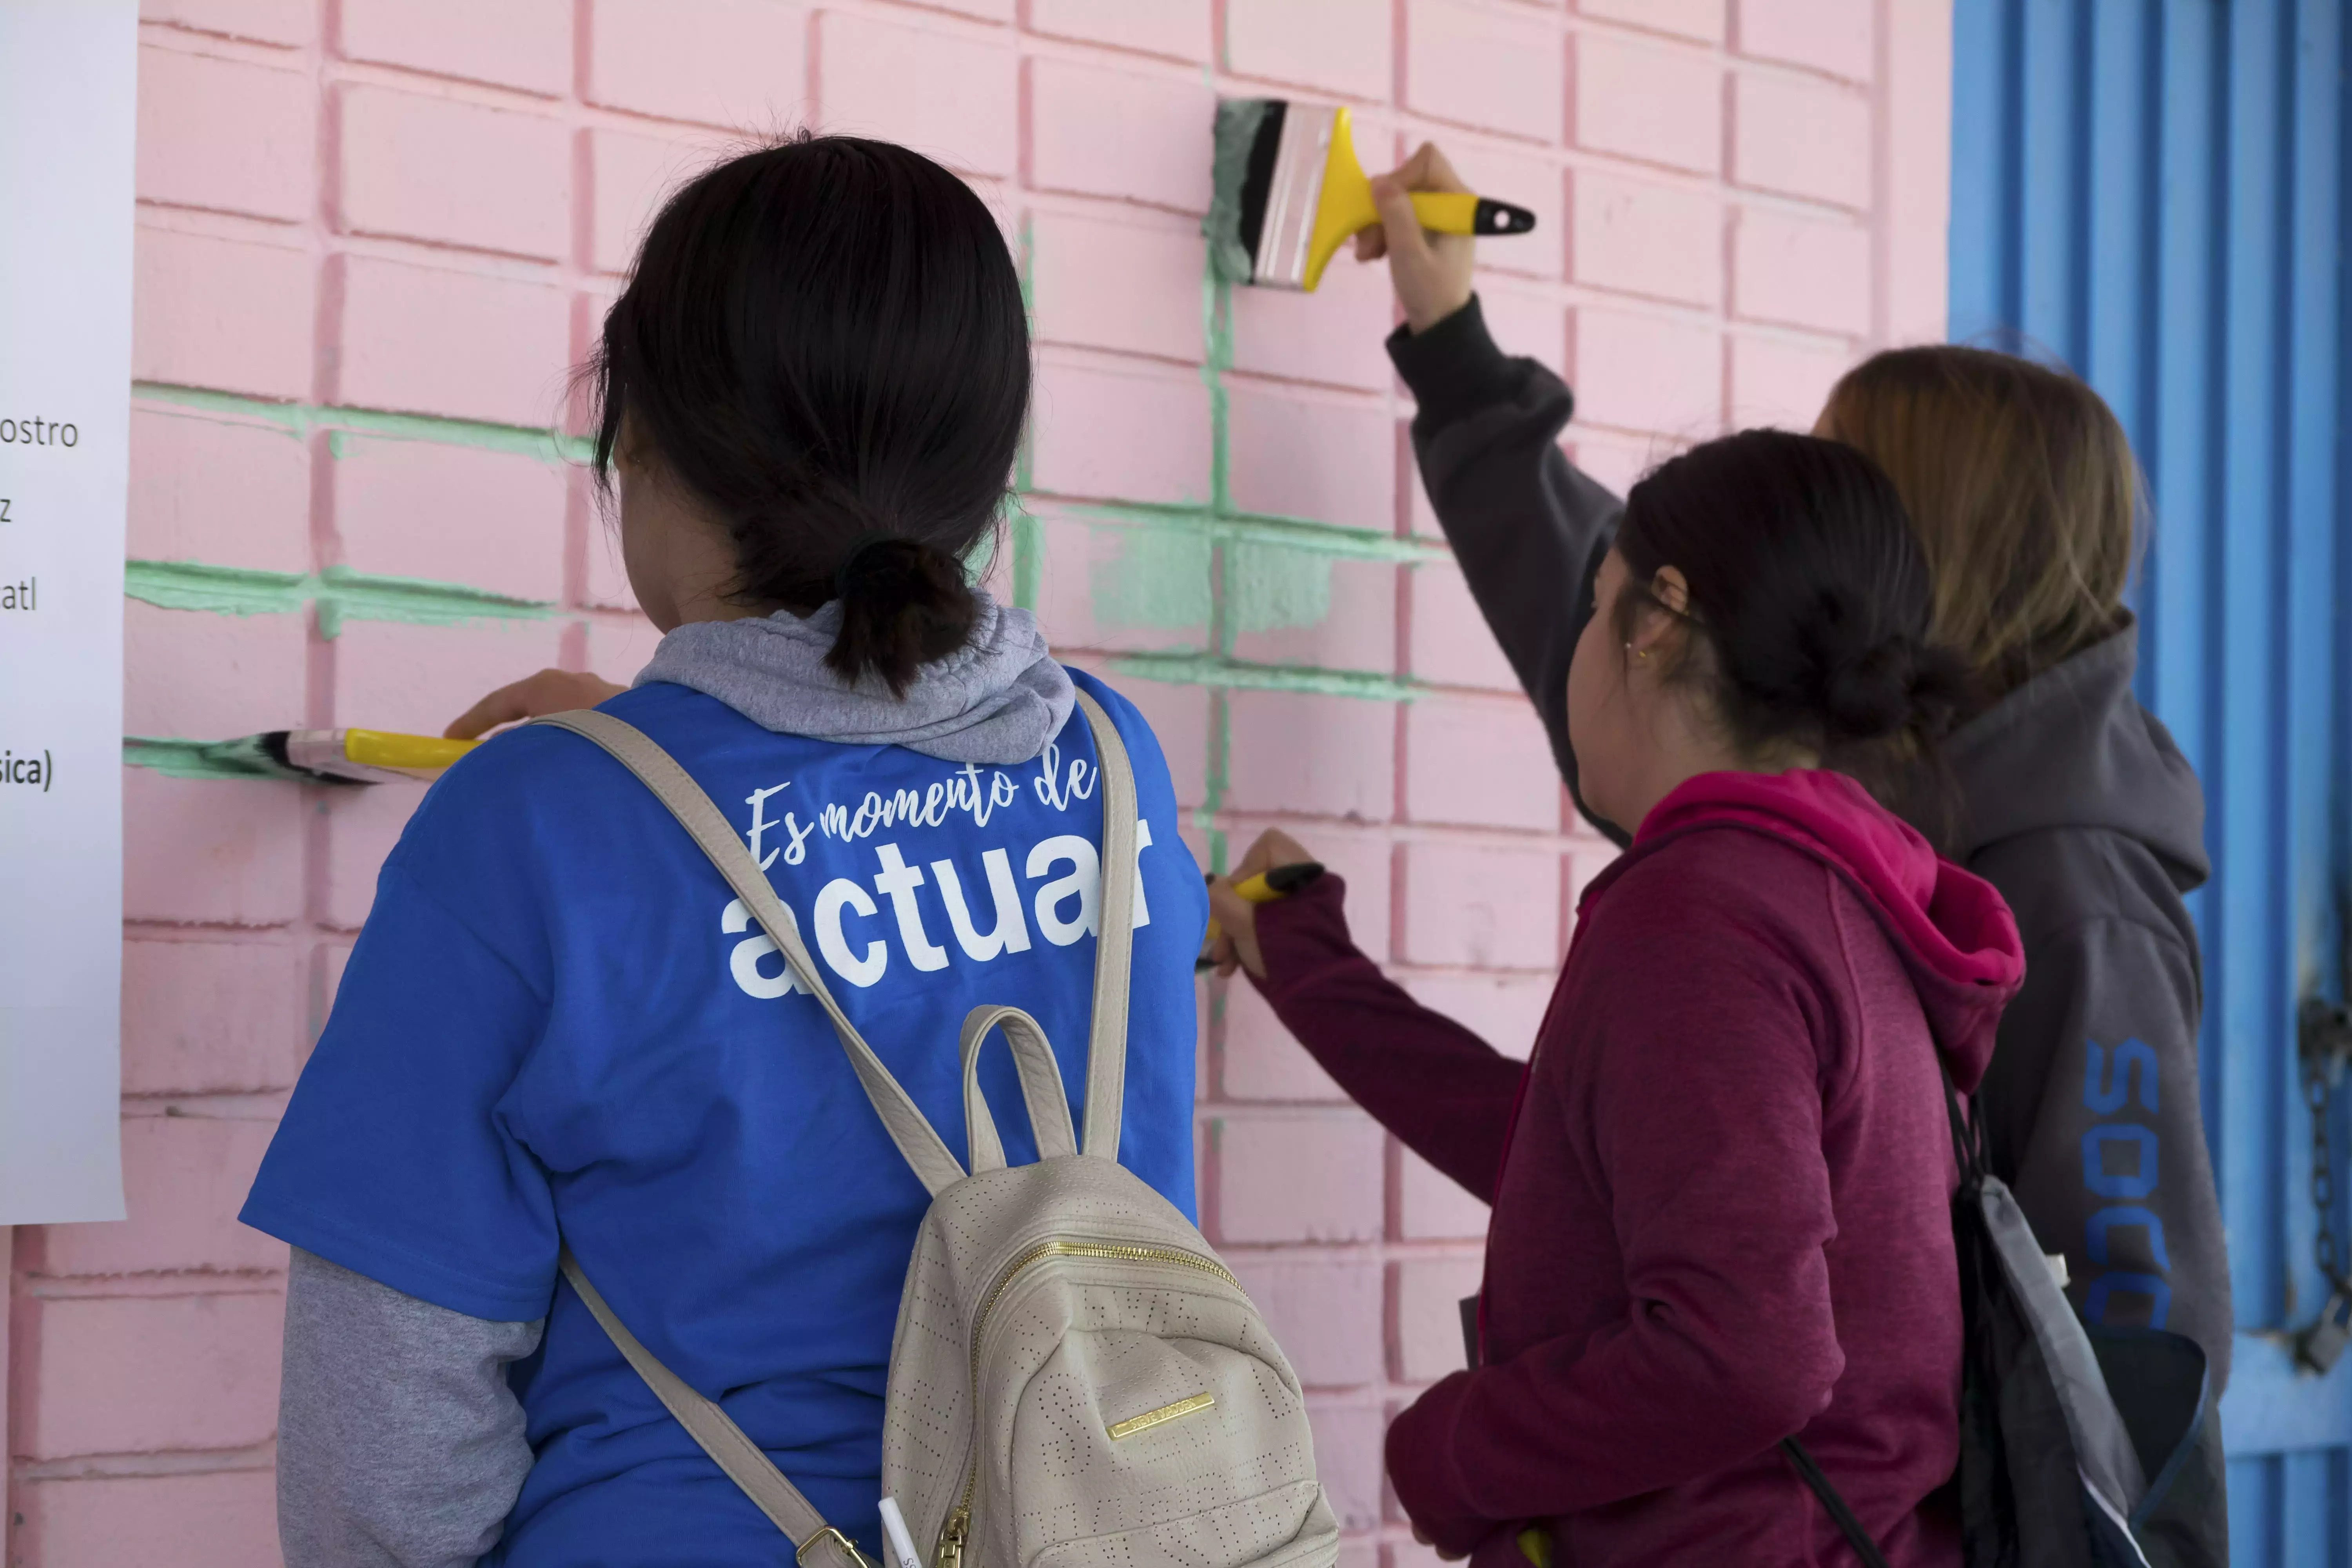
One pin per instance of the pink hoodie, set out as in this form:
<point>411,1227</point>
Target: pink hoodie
<point>1721,1194</point>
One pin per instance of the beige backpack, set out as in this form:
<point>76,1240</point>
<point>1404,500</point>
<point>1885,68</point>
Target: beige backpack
<point>1076,1378</point>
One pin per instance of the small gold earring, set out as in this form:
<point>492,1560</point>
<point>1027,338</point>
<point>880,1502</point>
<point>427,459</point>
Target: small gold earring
<point>1641,653</point>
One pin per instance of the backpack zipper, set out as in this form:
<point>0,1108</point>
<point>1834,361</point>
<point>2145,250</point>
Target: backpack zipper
<point>956,1532</point>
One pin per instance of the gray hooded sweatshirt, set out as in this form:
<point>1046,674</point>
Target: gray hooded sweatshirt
<point>2073,802</point>
<point>399,1443</point>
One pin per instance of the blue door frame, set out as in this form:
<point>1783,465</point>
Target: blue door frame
<point>2154,192</point>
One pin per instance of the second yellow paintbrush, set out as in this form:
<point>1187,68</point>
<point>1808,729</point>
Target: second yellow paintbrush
<point>1288,192</point>
<point>1275,882</point>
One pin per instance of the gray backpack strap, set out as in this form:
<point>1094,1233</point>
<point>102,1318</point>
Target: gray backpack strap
<point>725,1442</point>
<point>912,1131</point>
<point>1114,940</point>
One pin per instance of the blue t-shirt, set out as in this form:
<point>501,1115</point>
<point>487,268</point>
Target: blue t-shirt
<point>559,1027</point>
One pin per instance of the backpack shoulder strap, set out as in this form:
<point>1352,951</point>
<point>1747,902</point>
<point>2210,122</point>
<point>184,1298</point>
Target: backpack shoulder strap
<point>1115,938</point>
<point>725,1442</point>
<point>912,1131</point>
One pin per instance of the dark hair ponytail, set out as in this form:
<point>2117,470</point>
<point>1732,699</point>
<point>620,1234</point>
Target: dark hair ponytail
<point>823,341</point>
<point>1809,595</point>
<point>903,604</point>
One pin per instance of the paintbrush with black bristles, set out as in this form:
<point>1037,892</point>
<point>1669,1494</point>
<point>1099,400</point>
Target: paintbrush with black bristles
<point>330,756</point>
<point>1288,192</point>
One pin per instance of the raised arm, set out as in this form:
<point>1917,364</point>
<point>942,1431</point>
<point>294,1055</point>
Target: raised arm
<point>1528,527</point>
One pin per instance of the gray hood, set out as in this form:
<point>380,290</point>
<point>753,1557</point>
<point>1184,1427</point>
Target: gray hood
<point>997,699</point>
<point>2073,748</point>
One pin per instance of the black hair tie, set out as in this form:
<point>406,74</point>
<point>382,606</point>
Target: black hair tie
<point>857,547</point>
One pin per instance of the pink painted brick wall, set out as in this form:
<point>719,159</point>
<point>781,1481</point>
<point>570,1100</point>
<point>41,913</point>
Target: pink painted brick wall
<point>518,43</point>
<point>419,208</point>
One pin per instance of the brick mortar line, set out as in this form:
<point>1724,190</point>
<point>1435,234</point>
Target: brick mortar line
<point>298,420</point>
<point>301,419</point>
<point>208,1104</point>
<point>152,1463</point>
<point>1468,836</point>
<point>159,1285</point>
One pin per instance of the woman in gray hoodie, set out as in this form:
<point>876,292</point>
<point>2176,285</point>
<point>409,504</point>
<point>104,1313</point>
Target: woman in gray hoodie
<point>2063,791</point>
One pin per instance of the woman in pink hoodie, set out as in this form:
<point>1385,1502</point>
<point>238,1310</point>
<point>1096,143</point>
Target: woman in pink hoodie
<point>1721,1185</point>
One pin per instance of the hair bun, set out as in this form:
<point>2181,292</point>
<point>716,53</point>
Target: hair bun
<point>1866,682</point>
<point>1894,684</point>
<point>1868,695</point>
<point>904,605</point>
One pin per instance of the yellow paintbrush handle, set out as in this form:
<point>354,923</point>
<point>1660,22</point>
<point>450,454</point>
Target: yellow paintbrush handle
<point>1445,212</point>
<point>1254,889</point>
<point>383,749</point>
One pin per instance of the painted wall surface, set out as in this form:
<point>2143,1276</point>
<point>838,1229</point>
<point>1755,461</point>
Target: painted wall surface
<point>373,235</point>
<point>2156,194</point>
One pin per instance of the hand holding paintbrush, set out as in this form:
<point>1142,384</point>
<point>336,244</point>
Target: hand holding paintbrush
<point>1287,192</point>
<point>1275,867</point>
<point>1431,270</point>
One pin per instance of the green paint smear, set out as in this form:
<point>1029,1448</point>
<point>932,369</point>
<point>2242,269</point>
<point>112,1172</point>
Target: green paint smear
<point>1028,560</point>
<point>242,758</point>
<point>339,593</point>
<point>981,559</point>
<point>345,595</point>
<point>1217,357</point>
<point>301,419</point>
<point>1155,578</point>
<point>222,590</point>
<point>1273,588</point>
<point>1289,533</point>
<point>1212,794</point>
<point>1189,671</point>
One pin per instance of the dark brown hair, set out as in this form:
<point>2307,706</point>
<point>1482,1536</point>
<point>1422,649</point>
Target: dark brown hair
<point>2022,488</point>
<point>1809,604</point>
<point>825,342</point>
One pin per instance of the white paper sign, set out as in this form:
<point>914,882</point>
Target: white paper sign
<point>68,109</point>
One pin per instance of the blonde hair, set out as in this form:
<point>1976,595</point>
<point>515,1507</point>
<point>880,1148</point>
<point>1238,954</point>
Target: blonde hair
<point>2023,489</point>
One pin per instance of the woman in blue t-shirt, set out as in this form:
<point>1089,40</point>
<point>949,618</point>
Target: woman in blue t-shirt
<point>560,1028</point>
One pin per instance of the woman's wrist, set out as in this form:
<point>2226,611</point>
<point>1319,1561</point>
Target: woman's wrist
<point>1436,313</point>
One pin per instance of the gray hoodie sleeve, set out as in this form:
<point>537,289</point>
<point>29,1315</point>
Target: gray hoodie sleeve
<point>1528,527</point>
<point>399,1444</point>
<point>2090,1111</point>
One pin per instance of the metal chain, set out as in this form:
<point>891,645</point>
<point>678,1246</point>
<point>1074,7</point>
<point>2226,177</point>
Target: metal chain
<point>2322,1177</point>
